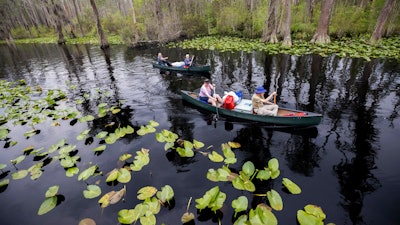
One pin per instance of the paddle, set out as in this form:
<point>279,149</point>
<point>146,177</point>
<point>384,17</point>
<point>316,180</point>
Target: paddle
<point>215,117</point>
<point>276,81</point>
<point>191,61</point>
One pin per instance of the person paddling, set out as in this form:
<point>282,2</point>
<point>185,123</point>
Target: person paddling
<point>162,60</point>
<point>207,94</point>
<point>261,105</point>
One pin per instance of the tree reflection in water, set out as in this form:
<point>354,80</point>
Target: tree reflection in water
<point>359,101</point>
<point>355,174</point>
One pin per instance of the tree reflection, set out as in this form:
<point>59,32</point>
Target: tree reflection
<point>302,154</point>
<point>355,176</point>
<point>254,143</point>
<point>108,93</point>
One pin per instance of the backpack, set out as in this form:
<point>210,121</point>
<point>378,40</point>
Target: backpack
<point>229,102</point>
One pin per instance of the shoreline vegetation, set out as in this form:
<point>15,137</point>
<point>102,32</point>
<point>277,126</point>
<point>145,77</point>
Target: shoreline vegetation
<point>388,48</point>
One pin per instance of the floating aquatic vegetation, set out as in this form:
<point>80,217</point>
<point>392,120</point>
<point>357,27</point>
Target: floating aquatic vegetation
<point>20,109</point>
<point>51,200</point>
<point>311,214</point>
<point>292,187</point>
<point>240,204</point>
<point>112,197</point>
<point>145,211</point>
<point>213,199</point>
<point>92,191</point>
<point>345,47</point>
<point>187,217</point>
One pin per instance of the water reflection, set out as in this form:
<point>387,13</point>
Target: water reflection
<point>356,174</point>
<point>359,101</point>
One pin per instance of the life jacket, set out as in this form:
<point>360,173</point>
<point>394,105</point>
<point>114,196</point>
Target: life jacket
<point>229,102</point>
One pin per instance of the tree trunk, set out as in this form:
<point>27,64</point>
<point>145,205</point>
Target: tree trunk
<point>159,17</point>
<point>380,23</point>
<point>322,34</point>
<point>61,39</point>
<point>103,40</point>
<point>135,28</point>
<point>250,7</point>
<point>78,18</point>
<point>287,40</point>
<point>309,11</point>
<point>270,31</point>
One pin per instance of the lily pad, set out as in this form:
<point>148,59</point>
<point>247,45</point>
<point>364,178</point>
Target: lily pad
<point>124,176</point>
<point>275,200</point>
<point>166,194</point>
<point>19,175</point>
<point>291,186</point>
<point>2,166</point>
<point>4,182</point>
<point>197,144</point>
<point>47,205</point>
<point>92,191</point>
<point>127,216</point>
<point>52,191</point>
<point>87,221</point>
<point>87,173</point>
<point>240,204</point>
<point>146,192</point>
<point>187,217</point>
<point>215,157</point>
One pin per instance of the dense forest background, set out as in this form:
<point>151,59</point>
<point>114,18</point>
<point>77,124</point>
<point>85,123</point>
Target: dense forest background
<point>160,20</point>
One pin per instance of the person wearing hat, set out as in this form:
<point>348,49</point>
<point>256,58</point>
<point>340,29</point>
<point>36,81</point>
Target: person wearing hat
<point>261,105</point>
<point>208,94</point>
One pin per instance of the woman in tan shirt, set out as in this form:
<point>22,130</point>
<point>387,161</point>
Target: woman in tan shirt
<point>258,101</point>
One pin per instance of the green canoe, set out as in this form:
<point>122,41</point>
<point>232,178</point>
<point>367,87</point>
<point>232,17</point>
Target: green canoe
<point>192,69</point>
<point>243,111</point>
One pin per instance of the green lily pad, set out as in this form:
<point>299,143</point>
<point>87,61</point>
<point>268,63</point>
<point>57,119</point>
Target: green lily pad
<point>47,205</point>
<point>149,219</point>
<point>2,166</point>
<point>166,194</point>
<point>215,157</point>
<point>315,210</point>
<point>19,175</point>
<point>113,175</point>
<point>127,216</point>
<point>92,191</point>
<point>101,134</point>
<point>264,174</point>
<point>248,168</point>
<point>146,192</point>
<point>307,219</point>
<point>124,176</point>
<point>4,182</point>
<point>273,164</point>
<point>18,159</point>
<point>197,144</point>
<point>84,175</point>
<point>3,133</point>
<point>275,200</point>
<point>291,186</point>
<point>240,204</point>
<point>100,148</point>
<point>52,191</point>
<point>72,171</point>
<point>185,152</point>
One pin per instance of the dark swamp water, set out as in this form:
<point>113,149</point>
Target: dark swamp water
<point>347,165</point>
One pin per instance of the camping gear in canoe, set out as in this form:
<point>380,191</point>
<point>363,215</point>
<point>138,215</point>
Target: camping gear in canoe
<point>243,111</point>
